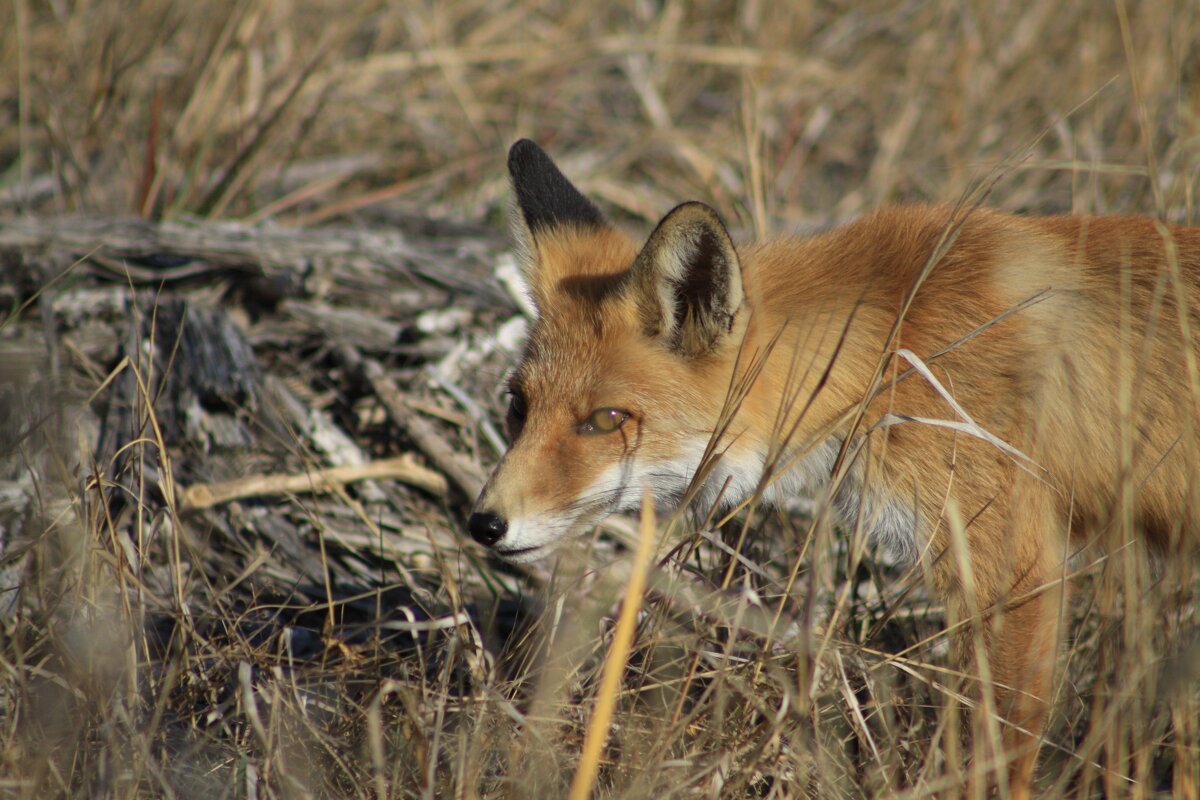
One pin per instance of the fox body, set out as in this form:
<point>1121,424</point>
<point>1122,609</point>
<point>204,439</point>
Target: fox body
<point>1025,381</point>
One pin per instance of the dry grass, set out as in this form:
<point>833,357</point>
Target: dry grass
<point>145,651</point>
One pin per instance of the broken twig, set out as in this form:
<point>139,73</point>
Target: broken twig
<point>465,475</point>
<point>402,468</point>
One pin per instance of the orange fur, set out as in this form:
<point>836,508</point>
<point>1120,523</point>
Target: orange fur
<point>1093,381</point>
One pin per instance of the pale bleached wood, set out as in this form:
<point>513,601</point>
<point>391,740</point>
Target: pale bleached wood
<point>298,262</point>
<point>402,468</point>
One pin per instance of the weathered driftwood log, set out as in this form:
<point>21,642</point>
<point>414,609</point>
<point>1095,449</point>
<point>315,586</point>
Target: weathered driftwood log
<point>284,262</point>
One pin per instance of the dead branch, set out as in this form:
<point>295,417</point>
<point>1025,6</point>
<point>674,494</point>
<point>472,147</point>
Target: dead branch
<point>463,473</point>
<point>294,262</point>
<point>402,468</point>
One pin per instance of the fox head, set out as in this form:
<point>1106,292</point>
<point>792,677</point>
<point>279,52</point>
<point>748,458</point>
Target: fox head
<point>625,371</point>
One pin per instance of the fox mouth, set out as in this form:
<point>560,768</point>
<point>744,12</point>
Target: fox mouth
<point>521,555</point>
<point>538,537</point>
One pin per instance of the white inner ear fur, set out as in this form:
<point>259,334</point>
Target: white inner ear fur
<point>514,277</point>
<point>671,268</point>
<point>523,245</point>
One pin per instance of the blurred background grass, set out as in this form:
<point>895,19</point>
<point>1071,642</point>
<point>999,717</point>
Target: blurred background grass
<point>782,114</point>
<point>785,116</point>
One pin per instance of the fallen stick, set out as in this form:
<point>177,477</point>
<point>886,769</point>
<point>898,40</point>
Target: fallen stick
<point>402,468</point>
<point>457,468</point>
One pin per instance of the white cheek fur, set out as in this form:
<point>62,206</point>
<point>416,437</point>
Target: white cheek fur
<point>734,477</point>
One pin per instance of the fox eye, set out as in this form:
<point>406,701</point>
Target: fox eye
<point>516,413</point>
<point>603,420</point>
<point>516,406</point>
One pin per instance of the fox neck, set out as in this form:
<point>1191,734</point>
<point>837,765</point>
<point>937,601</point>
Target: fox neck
<point>798,365</point>
<point>806,358</point>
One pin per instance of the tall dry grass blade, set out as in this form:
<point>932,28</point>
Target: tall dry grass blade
<point>1139,104</point>
<point>618,655</point>
<point>987,747</point>
<point>24,148</point>
<point>236,174</point>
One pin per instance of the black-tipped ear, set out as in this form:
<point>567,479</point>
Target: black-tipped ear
<point>688,280</point>
<point>546,198</point>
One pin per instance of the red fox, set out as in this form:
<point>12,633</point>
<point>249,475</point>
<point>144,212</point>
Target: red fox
<point>1025,379</point>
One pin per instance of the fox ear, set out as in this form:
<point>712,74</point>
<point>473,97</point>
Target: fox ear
<point>545,197</point>
<point>688,281</point>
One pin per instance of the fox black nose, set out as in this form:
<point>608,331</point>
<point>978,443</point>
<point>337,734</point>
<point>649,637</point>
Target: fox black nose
<point>487,528</point>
